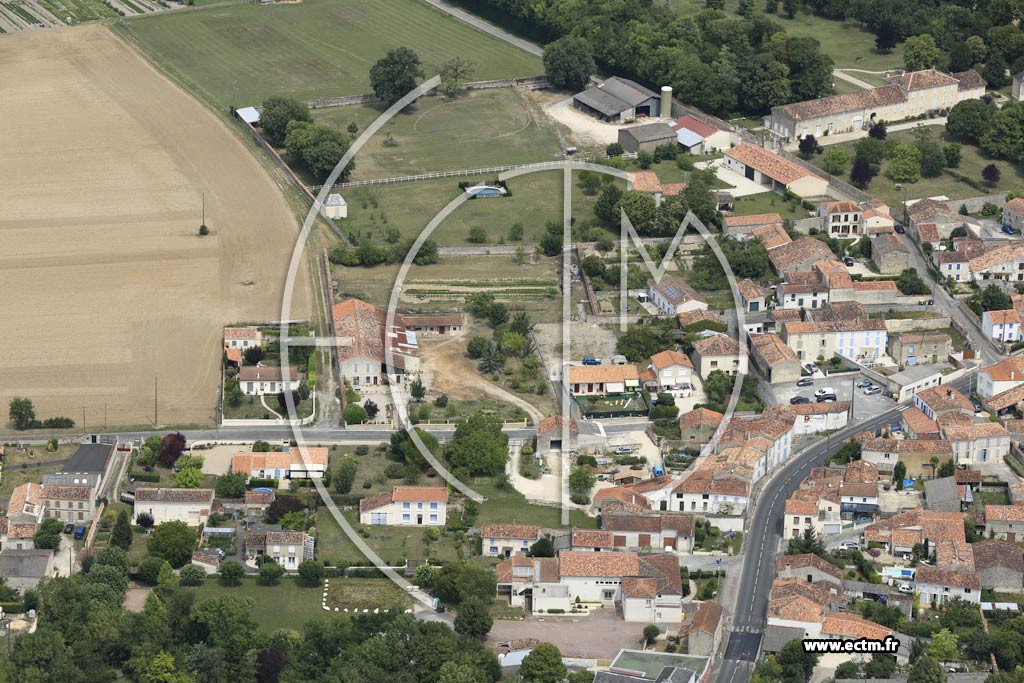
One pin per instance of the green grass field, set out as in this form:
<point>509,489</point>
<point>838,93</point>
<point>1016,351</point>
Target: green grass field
<point>287,605</point>
<point>241,54</point>
<point>972,162</point>
<point>536,199</point>
<point>768,202</point>
<point>481,128</point>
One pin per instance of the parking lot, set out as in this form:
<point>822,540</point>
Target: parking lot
<point>864,407</point>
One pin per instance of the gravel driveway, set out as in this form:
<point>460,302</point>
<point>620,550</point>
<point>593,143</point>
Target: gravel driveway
<point>597,636</point>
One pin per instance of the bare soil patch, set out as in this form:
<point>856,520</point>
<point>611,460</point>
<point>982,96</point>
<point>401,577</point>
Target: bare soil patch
<point>105,283</point>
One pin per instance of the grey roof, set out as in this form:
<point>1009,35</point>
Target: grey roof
<point>675,674</point>
<point>614,95</point>
<point>336,199</point>
<point>777,636</point>
<point>90,457</point>
<point>865,587</point>
<point>609,677</point>
<point>25,564</point>
<point>940,491</point>
<point>71,479</point>
<point>915,373</point>
<point>650,132</point>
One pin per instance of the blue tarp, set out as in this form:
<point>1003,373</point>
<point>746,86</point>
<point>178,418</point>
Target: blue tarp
<point>908,483</point>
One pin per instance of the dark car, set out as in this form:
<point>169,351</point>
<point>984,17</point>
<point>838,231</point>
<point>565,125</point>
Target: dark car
<point>590,360</point>
<point>805,382</point>
<point>68,528</point>
<point>79,533</point>
<point>797,400</point>
<point>900,230</point>
<point>848,261</point>
<point>1008,230</point>
<point>827,398</point>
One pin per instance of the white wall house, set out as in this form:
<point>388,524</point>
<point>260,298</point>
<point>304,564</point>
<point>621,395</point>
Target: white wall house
<point>978,443</point>
<point>1001,326</point>
<point>406,506</point>
<point>242,337</point>
<point>191,506</point>
<point>1001,376</point>
<point>671,296</point>
<point>940,585</point>
<point>289,548</point>
<point>673,372</point>
<point>258,380</point>
<point>505,540</point>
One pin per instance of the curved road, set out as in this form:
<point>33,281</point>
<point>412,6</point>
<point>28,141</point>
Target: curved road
<point>479,24</point>
<point>762,541</point>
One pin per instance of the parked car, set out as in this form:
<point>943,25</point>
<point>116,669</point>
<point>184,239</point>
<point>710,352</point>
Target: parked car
<point>590,360</point>
<point>825,391</point>
<point>848,261</point>
<point>900,230</point>
<point>977,406</point>
<point>905,588</point>
<point>811,368</point>
<point>797,400</point>
<point>872,390</point>
<point>849,545</point>
<point>864,383</point>
<point>68,528</point>
<point>805,382</point>
<point>1008,230</point>
<point>79,533</point>
<point>623,450</point>
<point>830,398</point>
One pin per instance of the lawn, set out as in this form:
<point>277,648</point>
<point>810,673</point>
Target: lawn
<point>393,544</point>
<point>287,605</point>
<point>30,466</point>
<point>972,162</point>
<point>492,128</point>
<point>241,54</point>
<point>252,408</point>
<point>366,594</point>
<point>510,507</point>
<point>408,207</point>
<point>768,202</point>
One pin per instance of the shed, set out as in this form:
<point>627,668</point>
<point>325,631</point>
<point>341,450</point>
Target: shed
<point>335,207</point>
<point>941,495</point>
<point>248,114</point>
<point>618,99</point>
<point>647,137</point>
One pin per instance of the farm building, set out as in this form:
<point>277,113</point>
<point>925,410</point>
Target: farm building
<point>698,137</point>
<point>646,138</point>
<point>773,171</point>
<point>619,99</point>
<point>335,207</point>
<point>361,330</point>
<point>434,324</point>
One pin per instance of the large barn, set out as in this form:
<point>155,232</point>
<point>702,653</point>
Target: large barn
<point>617,100</point>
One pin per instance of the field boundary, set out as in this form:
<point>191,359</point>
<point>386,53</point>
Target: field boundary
<point>526,83</point>
<point>444,174</point>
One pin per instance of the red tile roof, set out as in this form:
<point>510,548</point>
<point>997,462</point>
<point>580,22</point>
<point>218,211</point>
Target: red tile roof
<point>770,164</point>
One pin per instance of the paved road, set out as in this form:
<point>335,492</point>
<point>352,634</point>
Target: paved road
<point>761,546</point>
<point>480,24</point>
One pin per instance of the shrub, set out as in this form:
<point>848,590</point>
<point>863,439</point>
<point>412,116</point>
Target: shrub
<point>270,573</point>
<point>231,573</point>
<point>191,575</point>
<point>149,569</point>
<point>151,477</point>
<point>580,498</point>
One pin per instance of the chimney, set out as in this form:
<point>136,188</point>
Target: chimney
<point>666,101</point>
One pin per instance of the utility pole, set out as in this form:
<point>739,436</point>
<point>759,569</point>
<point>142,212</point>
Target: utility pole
<point>204,208</point>
<point>156,421</point>
<point>104,416</point>
<point>83,420</point>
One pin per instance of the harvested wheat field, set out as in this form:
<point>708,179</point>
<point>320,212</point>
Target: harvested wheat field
<point>104,283</point>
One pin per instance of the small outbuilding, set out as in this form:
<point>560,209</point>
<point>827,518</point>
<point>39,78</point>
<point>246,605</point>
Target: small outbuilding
<point>335,207</point>
<point>616,100</point>
<point>647,137</point>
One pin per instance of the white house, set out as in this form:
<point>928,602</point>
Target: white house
<point>589,380</point>
<point>773,171</point>
<point>335,207</point>
<point>406,506</point>
<point>1001,376</point>
<point>719,352</point>
<point>673,372</point>
<point>505,540</point>
<point>1013,211</point>
<point>978,443</point>
<point>242,337</point>
<point>289,548</point>
<point>258,380</point>
<point>191,506</point>
<point>671,296</point>
<point>705,491</point>
<point>1001,326</point>
<point>364,340</point>
<point>657,532</point>
<point>814,418</point>
<point>941,584</point>
<point>841,219</point>
<point>308,462</point>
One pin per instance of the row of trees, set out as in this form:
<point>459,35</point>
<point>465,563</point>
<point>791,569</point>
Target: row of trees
<point>998,131</point>
<point>22,414</point>
<point>718,63</point>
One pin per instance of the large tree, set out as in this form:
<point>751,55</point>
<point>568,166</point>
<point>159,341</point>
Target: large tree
<point>460,581</point>
<point>319,148</point>
<point>277,113</point>
<point>479,446</point>
<point>21,413</point>
<point>121,536</point>
<point>969,120</point>
<point>395,74</point>
<point>568,62</point>
<point>473,619</point>
<point>926,669</point>
<point>174,542</point>
<point>920,52</point>
<point>171,448</point>
<point>767,83</point>
<point>641,209</point>
<point>886,36</point>
<point>905,164</point>
<point>543,665</point>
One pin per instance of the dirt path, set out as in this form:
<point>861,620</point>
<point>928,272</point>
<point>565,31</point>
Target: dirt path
<point>135,599</point>
<point>447,369</point>
<point>841,73</point>
<point>105,282</point>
